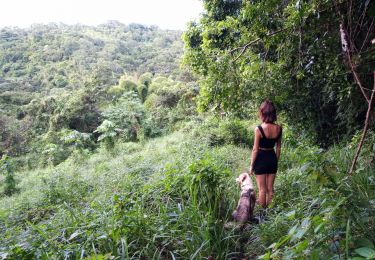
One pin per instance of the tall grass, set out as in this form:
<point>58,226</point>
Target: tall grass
<point>143,200</point>
<point>171,197</point>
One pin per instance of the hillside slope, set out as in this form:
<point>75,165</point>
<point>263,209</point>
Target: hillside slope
<point>171,197</point>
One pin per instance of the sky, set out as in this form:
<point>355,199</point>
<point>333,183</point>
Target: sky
<point>166,14</point>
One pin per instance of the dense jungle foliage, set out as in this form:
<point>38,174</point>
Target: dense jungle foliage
<point>112,150</point>
<point>59,83</point>
<point>289,51</point>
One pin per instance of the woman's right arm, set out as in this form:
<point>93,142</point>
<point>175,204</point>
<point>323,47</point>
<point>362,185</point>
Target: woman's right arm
<point>278,144</point>
<point>255,150</point>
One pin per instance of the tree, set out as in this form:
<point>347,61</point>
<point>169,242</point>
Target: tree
<point>127,84</point>
<point>284,50</point>
<point>144,82</point>
<point>357,31</point>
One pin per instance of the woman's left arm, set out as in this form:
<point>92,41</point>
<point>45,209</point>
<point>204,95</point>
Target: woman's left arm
<point>255,150</point>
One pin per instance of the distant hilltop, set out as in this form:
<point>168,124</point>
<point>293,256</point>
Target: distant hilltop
<point>57,55</point>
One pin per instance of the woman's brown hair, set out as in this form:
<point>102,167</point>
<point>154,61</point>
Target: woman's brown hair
<point>267,112</point>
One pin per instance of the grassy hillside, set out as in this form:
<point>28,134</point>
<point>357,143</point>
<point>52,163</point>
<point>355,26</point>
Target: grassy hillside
<point>170,197</point>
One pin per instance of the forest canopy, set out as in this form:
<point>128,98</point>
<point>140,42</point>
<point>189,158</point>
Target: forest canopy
<point>56,78</point>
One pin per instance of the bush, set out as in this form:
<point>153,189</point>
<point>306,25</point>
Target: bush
<point>218,132</point>
<point>115,92</point>
<point>6,169</point>
<point>61,189</point>
<point>55,147</point>
<point>169,102</point>
<point>151,101</point>
<point>107,134</point>
<point>127,84</point>
<point>142,92</point>
<point>236,132</point>
<point>127,116</point>
<point>144,82</point>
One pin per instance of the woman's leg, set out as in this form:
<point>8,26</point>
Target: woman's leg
<point>270,179</point>
<point>262,189</point>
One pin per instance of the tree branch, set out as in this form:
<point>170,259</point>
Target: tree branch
<point>247,45</point>
<point>367,34</point>
<point>357,80</point>
<point>369,108</point>
<point>360,23</point>
<point>346,48</point>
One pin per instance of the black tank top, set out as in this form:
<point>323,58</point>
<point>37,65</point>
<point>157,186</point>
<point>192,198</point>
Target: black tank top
<point>265,142</point>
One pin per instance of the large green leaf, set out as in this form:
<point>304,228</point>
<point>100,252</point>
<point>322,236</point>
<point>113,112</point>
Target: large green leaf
<point>367,252</point>
<point>364,242</point>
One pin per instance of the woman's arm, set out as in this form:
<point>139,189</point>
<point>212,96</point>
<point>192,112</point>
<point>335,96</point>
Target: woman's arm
<point>254,153</point>
<point>278,145</point>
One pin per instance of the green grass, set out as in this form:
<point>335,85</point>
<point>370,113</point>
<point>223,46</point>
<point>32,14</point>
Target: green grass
<point>169,198</point>
<point>94,205</point>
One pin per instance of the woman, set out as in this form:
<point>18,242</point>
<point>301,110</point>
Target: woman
<point>263,157</point>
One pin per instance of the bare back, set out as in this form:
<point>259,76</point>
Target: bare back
<point>271,130</point>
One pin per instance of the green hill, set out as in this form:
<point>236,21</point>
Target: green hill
<point>44,57</point>
<point>55,77</point>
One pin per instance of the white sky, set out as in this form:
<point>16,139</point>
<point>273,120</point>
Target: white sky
<point>167,14</point>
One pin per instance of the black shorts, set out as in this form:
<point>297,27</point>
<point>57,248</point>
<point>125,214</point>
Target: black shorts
<point>266,162</point>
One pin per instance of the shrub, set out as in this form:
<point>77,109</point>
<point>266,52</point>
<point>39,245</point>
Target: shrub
<point>151,101</point>
<point>107,134</point>
<point>53,154</point>
<point>144,82</point>
<point>127,116</point>
<point>77,140</point>
<point>54,147</point>
<point>115,92</point>
<point>216,132</point>
<point>6,169</point>
<point>127,84</point>
<point>236,132</point>
<point>142,92</point>
<point>170,102</point>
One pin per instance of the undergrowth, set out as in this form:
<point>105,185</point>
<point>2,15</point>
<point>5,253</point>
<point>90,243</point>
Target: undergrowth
<point>172,196</point>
